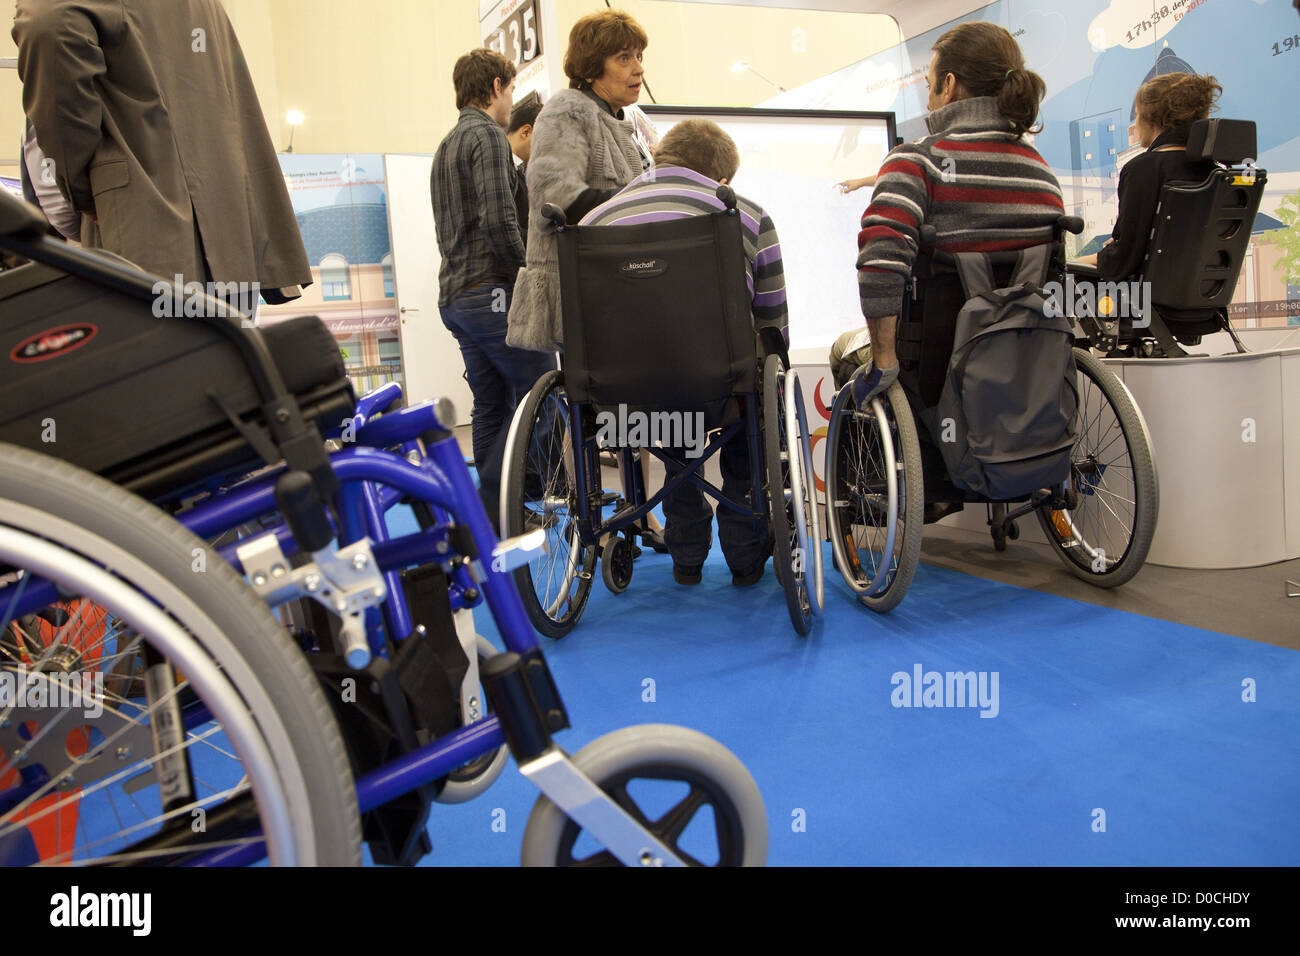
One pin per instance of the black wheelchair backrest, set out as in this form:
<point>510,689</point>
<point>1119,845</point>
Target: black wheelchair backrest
<point>657,316</point>
<point>1202,229</point>
<point>1226,141</point>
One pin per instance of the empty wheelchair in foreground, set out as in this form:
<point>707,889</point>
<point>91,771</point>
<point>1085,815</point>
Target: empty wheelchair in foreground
<point>997,406</point>
<point>220,734</point>
<point>657,328</point>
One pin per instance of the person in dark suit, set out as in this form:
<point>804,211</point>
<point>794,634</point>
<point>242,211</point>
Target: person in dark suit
<point>520,134</point>
<point>148,111</point>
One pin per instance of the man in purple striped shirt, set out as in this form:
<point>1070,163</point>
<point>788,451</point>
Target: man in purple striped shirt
<point>691,161</point>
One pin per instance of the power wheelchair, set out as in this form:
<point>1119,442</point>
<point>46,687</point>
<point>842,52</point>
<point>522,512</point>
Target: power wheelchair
<point>1093,489</point>
<point>222,734</point>
<point>657,321</point>
<point>1195,252</point>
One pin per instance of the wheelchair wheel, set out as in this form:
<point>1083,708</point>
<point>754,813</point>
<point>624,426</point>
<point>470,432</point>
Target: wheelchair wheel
<point>803,482</point>
<point>539,492</point>
<point>616,563</point>
<point>465,783</point>
<point>1105,537</point>
<point>632,766</point>
<point>235,705</point>
<point>784,460</point>
<point>875,496</point>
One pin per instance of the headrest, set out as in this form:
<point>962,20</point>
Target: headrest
<point>1225,141</point>
<point>19,219</point>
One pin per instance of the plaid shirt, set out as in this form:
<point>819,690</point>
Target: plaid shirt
<point>473,189</point>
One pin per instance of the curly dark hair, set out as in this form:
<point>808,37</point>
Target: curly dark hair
<point>987,61</point>
<point>595,37</point>
<point>1177,100</point>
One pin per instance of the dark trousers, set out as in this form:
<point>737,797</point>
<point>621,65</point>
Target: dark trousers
<point>689,529</point>
<point>499,377</point>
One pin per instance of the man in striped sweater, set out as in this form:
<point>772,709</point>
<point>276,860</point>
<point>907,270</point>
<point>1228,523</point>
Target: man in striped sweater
<point>975,179</point>
<point>691,161</point>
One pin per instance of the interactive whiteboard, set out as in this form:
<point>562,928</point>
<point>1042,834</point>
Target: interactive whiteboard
<point>790,161</point>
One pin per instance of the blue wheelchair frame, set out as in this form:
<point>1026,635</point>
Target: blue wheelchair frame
<point>328,502</point>
<point>586,468</point>
<point>373,480</point>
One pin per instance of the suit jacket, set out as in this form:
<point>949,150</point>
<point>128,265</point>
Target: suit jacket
<point>521,199</point>
<point>150,115</point>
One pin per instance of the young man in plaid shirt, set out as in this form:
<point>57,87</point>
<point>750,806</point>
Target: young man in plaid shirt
<point>482,248</point>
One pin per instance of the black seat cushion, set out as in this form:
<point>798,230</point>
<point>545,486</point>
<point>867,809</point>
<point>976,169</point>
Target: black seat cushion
<point>93,376</point>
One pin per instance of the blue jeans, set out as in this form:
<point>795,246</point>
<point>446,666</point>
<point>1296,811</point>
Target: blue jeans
<point>499,376</point>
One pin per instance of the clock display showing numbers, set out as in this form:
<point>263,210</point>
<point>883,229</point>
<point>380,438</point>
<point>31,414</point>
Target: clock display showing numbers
<point>519,37</point>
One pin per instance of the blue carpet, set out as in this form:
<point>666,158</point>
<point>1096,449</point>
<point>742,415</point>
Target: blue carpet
<point>1098,712</point>
<point>1103,719</point>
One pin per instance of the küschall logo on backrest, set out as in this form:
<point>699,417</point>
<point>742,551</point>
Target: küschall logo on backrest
<point>644,268</point>
<point>53,343</point>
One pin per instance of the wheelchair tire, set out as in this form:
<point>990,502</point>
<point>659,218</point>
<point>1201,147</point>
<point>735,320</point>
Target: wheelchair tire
<point>716,778</point>
<point>538,449</point>
<point>807,513</point>
<point>1117,487</point>
<point>997,526</point>
<point>867,514</point>
<point>270,739</point>
<point>790,551</point>
<point>474,778</point>
<point>616,563</point>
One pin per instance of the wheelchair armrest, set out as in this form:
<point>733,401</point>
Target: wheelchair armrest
<point>1083,270</point>
<point>1070,224</point>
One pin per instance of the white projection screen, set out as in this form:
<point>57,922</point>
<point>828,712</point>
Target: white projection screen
<point>790,161</point>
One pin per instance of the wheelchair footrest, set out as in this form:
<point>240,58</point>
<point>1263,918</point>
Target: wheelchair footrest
<point>524,696</point>
<point>397,704</point>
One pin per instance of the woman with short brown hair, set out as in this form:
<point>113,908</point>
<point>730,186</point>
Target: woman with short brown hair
<point>594,39</point>
<point>583,153</point>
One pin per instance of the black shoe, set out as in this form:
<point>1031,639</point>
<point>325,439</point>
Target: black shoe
<point>744,579</point>
<point>654,539</point>
<point>754,574</point>
<point>938,510</point>
<point>687,576</point>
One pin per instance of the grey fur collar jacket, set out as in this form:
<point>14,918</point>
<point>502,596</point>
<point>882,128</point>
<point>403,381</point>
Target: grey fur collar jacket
<point>576,146</point>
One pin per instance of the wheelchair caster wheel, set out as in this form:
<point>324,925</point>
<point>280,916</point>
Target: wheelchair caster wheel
<point>1013,531</point>
<point>616,564</point>
<point>650,756</point>
<point>467,782</point>
<point>998,526</point>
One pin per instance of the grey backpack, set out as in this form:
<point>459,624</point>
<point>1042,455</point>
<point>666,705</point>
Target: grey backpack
<point>1006,418</point>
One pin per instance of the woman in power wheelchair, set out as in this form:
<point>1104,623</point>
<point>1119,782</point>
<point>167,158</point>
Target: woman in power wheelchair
<point>237,736</point>
<point>657,322</point>
<point>983,392</point>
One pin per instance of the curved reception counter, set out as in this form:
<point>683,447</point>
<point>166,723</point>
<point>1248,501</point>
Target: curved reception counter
<point>1226,433</point>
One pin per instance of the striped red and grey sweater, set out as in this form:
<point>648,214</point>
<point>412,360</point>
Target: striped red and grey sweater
<point>980,185</point>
